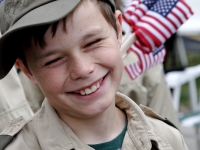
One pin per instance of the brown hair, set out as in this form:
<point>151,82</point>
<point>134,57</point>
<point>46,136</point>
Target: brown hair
<point>119,5</point>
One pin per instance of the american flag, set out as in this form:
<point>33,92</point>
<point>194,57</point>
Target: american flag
<point>153,21</point>
<point>145,61</point>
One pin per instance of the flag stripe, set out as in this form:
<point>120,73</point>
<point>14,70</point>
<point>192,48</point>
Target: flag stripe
<point>150,43</point>
<point>134,69</point>
<point>140,56</point>
<point>173,19</point>
<point>187,8</point>
<point>140,44</point>
<point>180,17</point>
<point>158,25</point>
<point>154,34</point>
<point>162,24</point>
<point>151,30</point>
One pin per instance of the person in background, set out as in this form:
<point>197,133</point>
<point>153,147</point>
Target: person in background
<point>13,102</point>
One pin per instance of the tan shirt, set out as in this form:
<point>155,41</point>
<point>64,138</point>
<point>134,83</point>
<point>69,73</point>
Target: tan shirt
<point>13,102</point>
<point>47,131</point>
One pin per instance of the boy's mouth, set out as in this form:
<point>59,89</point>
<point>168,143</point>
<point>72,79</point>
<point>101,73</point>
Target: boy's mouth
<point>91,89</point>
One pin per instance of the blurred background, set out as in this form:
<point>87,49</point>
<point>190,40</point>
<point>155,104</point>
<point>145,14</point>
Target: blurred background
<point>182,69</point>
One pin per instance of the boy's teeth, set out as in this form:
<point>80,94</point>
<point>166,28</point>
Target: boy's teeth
<point>82,92</point>
<point>90,90</point>
<point>94,88</point>
<point>98,85</point>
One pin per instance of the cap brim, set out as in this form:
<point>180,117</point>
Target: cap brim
<point>44,14</point>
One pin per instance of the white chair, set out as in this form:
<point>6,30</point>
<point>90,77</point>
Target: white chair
<point>191,121</point>
<point>176,79</point>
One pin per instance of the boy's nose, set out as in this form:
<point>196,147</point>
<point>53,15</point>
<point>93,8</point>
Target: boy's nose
<point>81,68</point>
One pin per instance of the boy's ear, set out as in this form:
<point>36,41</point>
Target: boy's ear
<point>25,70</point>
<point>118,16</point>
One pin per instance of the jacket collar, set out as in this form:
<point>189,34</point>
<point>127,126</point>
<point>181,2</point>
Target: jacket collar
<point>139,129</point>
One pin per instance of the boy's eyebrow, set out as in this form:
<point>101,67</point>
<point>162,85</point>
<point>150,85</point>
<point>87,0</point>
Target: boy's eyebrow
<point>46,54</point>
<point>92,33</point>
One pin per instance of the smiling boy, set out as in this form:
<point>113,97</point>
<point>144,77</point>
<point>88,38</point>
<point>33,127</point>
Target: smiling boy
<point>71,50</point>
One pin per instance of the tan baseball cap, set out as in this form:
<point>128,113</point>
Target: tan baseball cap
<point>20,14</point>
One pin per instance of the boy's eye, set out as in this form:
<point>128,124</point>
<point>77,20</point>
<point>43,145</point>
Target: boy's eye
<point>93,42</point>
<point>52,61</point>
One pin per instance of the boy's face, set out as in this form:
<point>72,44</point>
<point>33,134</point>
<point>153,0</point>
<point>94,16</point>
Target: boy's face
<point>79,70</point>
